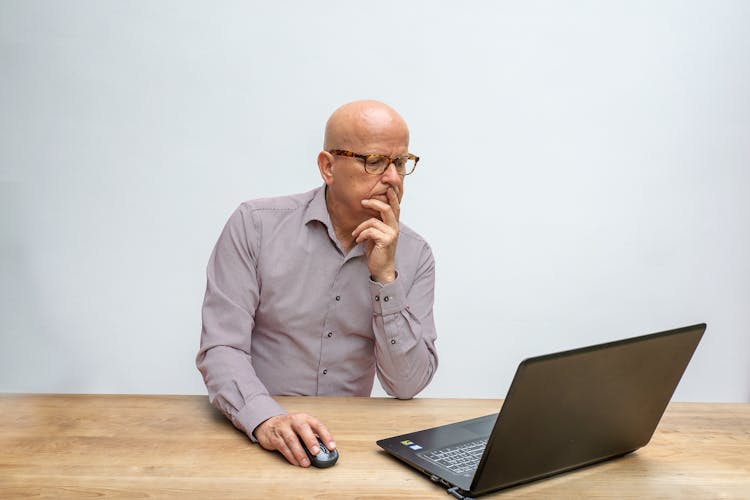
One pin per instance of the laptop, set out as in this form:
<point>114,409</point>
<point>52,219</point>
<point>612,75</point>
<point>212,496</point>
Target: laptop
<point>562,411</point>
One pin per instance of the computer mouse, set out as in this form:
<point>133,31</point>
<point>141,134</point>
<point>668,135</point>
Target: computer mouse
<point>324,458</point>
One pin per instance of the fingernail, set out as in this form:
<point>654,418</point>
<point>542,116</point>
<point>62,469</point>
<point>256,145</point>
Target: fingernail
<point>331,445</point>
<point>315,450</point>
<point>305,462</point>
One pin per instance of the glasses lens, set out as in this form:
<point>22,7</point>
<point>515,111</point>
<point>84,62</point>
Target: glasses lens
<point>405,166</point>
<point>376,164</point>
<point>401,164</point>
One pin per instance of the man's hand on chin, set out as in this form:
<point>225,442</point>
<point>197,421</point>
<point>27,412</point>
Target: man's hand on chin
<point>381,237</point>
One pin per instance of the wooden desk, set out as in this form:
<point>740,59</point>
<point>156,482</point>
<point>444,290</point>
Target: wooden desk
<point>178,446</point>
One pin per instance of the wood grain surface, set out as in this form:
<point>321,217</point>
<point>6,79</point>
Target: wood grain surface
<point>119,446</point>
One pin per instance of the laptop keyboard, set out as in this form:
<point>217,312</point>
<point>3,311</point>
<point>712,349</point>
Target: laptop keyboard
<point>460,459</point>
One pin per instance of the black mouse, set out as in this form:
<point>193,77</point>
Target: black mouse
<point>324,458</point>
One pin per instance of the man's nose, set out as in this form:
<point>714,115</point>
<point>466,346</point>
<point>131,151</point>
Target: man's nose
<point>391,174</point>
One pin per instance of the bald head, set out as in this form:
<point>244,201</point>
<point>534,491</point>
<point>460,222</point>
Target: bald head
<point>358,123</point>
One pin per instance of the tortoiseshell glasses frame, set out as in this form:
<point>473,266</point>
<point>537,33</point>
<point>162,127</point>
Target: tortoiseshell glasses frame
<point>376,164</point>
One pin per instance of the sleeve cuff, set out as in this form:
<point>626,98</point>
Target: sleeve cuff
<point>255,412</point>
<point>387,299</point>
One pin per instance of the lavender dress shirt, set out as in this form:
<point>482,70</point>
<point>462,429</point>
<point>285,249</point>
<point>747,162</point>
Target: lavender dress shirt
<point>286,312</point>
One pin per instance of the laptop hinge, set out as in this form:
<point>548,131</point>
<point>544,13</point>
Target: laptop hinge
<point>454,491</point>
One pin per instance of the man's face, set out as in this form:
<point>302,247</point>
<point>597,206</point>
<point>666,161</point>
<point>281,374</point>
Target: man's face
<point>351,183</point>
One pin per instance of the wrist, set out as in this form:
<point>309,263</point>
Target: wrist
<point>258,428</point>
<point>385,277</point>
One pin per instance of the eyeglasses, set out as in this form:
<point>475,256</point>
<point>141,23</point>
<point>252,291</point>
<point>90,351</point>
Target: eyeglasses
<point>377,164</point>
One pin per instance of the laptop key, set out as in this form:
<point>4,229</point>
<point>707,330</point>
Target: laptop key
<point>459,459</point>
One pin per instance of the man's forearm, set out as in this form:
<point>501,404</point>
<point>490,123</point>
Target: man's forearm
<point>235,390</point>
<point>405,353</point>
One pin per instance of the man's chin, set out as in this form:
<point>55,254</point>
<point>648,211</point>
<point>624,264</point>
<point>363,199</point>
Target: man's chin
<point>369,213</point>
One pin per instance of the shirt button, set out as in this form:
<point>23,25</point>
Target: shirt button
<point>330,334</point>
<point>393,341</point>
<point>385,298</point>
<point>325,371</point>
<point>338,297</point>
<point>377,298</point>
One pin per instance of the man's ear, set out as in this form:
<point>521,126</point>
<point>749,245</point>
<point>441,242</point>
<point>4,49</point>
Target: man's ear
<point>325,165</point>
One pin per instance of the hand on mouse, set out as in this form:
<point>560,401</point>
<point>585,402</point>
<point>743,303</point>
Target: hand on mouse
<point>325,458</point>
<point>280,433</point>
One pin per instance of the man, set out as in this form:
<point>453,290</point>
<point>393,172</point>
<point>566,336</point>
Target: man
<point>312,294</point>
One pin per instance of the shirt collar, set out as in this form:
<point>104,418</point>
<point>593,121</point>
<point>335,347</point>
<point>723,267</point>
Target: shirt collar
<point>317,208</point>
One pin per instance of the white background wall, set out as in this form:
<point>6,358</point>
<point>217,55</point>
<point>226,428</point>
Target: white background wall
<point>584,173</point>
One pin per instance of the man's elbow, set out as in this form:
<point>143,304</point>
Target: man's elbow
<point>407,389</point>
<point>404,394</point>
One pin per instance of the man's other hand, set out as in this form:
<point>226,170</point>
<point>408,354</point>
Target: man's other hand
<point>281,433</point>
<point>381,237</point>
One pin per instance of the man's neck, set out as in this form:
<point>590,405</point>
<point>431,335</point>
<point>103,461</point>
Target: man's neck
<point>342,227</point>
<point>345,238</point>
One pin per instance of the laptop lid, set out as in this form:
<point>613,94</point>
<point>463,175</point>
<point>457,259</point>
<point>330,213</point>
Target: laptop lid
<point>567,410</point>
